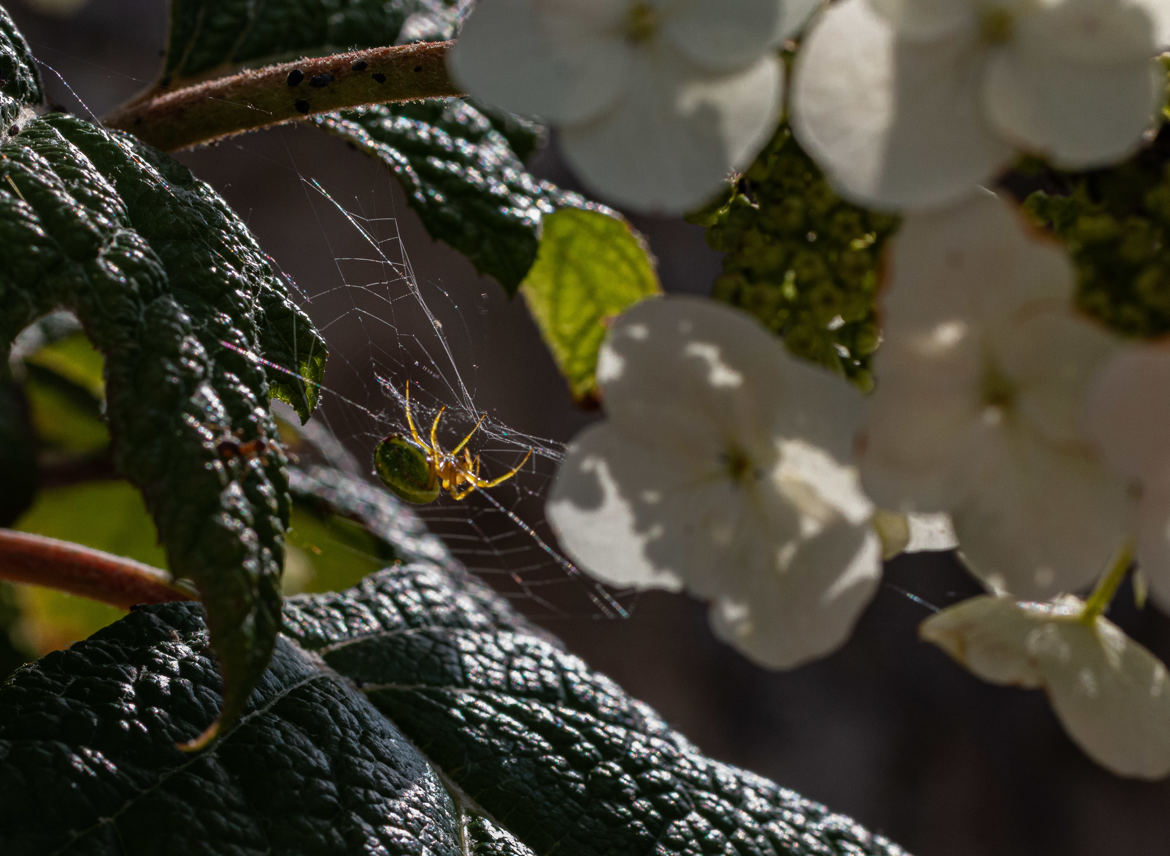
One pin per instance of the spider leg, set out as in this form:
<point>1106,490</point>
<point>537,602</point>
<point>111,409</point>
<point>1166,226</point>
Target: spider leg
<point>482,483</point>
<point>463,494</point>
<point>435,450</point>
<point>410,421</point>
<point>470,434</point>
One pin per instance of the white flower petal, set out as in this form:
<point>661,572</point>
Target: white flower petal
<point>973,263</point>
<point>1112,695</point>
<point>808,606</point>
<point>893,123</point>
<point>913,533</point>
<point>635,515</point>
<point>988,635</point>
<point>725,35</point>
<point>688,373</point>
<point>815,482</point>
<point>1127,411</point>
<point>794,14</point>
<point>919,426</point>
<point>927,19</point>
<point>597,506</point>
<point>1050,358</point>
<point>1159,12</point>
<point>1089,31</point>
<point>562,61</point>
<point>1044,520</point>
<point>1078,115</point>
<point>678,131</point>
<point>930,532</point>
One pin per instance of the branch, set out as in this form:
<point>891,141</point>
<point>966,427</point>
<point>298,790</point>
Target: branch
<point>209,111</point>
<point>83,571</point>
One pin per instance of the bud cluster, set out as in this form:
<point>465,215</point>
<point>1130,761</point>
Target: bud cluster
<point>801,259</point>
<point>1116,225</point>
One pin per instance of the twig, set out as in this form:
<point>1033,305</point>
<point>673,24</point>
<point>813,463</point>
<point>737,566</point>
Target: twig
<point>256,98</point>
<point>83,571</point>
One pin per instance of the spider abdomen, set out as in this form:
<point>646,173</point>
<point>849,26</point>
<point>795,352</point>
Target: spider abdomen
<point>406,469</point>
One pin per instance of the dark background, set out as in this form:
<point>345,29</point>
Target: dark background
<point>886,730</point>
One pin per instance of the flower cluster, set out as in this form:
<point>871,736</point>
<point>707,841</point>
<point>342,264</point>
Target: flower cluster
<point>1002,417</point>
<point>723,469</point>
<point>909,103</point>
<point>656,102</point>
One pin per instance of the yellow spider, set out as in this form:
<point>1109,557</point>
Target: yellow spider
<point>418,472</point>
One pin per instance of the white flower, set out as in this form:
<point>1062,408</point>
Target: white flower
<point>1127,414</point>
<point>1111,694</point>
<point>721,469</point>
<point>656,101</point>
<point>977,411</point>
<point>910,103</point>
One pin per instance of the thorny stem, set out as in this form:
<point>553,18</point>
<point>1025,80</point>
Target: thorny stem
<point>79,570</point>
<point>1106,588</point>
<point>202,113</point>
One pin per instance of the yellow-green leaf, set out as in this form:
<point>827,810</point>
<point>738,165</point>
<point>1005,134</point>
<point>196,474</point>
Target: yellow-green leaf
<point>589,268</point>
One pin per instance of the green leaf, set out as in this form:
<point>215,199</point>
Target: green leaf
<point>462,177</point>
<point>51,619</point>
<point>213,36</point>
<point>327,552</point>
<point>73,359</point>
<point>65,387</point>
<point>589,268</point>
<point>467,712</point>
<point>106,515</point>
<point>174,291</point>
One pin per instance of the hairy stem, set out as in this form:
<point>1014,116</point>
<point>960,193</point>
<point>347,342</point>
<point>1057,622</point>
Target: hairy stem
<point>212,110</point>
<point>83,571</point>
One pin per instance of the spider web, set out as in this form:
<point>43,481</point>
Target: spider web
<point>337,225</point>
<point>386,324</point>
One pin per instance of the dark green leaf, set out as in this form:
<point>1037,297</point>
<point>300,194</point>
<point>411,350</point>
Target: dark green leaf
<point>209,36</point>
<point>555,752</point>
<point>462,166</point>
<point>20,85</point>
<point>90,764</point>
<point>462,177</point>
<point>557,756</point>
<point>174,291</point>
<point>589,268</point>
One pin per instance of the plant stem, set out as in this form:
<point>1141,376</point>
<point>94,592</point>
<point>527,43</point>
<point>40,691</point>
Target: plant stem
<point>204,112</point>
<point>1107,586</point>
<point>79,570</point>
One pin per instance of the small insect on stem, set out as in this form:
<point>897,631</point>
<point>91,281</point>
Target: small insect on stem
<point>418,471</point>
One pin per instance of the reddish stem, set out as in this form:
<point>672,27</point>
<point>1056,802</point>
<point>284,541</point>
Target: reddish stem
<point>79,570</point>
<point>202,112</point>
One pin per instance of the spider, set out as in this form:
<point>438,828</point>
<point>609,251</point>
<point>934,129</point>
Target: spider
<point>418,472</point>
